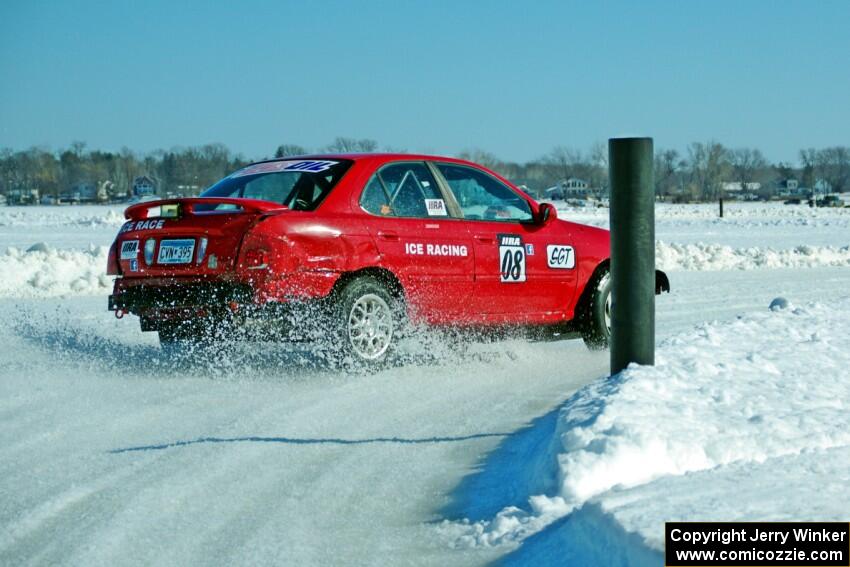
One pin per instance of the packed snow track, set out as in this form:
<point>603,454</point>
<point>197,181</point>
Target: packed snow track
<point>110,454</point>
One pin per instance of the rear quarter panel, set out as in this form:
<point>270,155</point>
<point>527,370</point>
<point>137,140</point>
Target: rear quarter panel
<point>312,249</point>
<point>593,246</point>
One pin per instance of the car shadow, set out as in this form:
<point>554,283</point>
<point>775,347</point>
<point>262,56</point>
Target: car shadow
<point>87,346</point>
<point>66,341</point>
<point>223,358</point>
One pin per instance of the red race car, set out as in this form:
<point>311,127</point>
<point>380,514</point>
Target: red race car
<point>365,245</point>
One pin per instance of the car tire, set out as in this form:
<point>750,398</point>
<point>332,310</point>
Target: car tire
<point>596,319</point>
<point>368,318</point>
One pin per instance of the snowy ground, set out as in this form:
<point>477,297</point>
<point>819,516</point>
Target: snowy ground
<point>110,454</point>
<point>739,420</point>
<point>744,225</point>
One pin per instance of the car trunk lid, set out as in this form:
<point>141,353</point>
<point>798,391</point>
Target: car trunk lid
<point>187,236</point>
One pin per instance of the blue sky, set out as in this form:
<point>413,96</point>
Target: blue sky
<point>512,78</point>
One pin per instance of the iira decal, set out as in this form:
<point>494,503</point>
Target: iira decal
<point>421,249</point>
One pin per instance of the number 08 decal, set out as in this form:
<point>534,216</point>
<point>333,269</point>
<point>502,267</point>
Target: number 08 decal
<point>511,259</point>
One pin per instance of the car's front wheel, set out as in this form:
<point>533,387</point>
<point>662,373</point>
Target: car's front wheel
<point>596,319</point>
<point>368,318</point>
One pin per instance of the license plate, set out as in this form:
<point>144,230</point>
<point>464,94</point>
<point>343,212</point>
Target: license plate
<point>176,251</point>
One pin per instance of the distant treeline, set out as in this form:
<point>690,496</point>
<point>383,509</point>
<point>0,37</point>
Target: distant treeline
<point>701,172</point>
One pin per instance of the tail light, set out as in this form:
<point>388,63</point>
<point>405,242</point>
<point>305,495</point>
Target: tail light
<point>150,247</point>
<point>113,268</point>
<point>202,250</point>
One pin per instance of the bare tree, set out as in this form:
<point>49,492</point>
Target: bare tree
<point>564,162</point>
<point>784,170</point>
<point>598,166</point>
<point>78,148</point>
<point>286,150</point>
<point>808,158</point>
<point>483,158</point>
<point>833,167</point>
<point>351,145</point>
<point>668,166</point>
<point>747,165</point>
<point>707,163</point>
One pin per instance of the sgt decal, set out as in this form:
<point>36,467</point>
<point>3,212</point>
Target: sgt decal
<point>560,257</point>
<point>511,258</point>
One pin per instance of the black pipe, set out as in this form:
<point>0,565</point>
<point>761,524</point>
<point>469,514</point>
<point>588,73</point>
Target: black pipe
<point>632,252</point>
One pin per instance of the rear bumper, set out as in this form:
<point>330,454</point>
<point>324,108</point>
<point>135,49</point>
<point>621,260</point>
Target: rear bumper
<point>144,295</point>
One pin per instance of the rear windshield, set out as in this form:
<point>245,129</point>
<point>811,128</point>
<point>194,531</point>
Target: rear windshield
<point>298,184</point>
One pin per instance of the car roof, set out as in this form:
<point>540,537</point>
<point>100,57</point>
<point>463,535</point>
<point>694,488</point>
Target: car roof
<point>378,159</point>
<point>378,156</point>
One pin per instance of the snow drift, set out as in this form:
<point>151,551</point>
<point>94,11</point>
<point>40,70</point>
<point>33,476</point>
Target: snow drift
<point>803,238</point>
<point>43,271</point>
<point>758,401</point>
<point>744,224</point>
<point>763,213</point>
<point>716,257</point>
<point>90,216</point>
<point>46,272</point>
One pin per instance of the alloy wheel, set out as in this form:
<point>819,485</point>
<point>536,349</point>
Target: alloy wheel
<point>370,326</point>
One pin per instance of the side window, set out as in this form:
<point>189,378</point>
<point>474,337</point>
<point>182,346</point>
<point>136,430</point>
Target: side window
<point>482,197</point>
<point>268,187</point>
<point>374,199</point>
<point>403,190</point>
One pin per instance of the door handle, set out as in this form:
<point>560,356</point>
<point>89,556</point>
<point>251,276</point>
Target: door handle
<point>484,239</point>
<point>387,235</point>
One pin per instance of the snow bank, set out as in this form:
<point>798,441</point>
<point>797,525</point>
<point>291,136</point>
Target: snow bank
<point>732,212</point>
<point>43,271</point>
<point>744,224</point>
<point>762,386</point>
<point>47,272</point>
<point>809,486</point>
<point>729,407</point>
<point>92,216</point>
<point>712,257</point>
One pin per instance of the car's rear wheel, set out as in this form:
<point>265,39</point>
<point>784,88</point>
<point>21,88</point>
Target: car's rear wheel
<point>368,318</point>
<point>596,319</point>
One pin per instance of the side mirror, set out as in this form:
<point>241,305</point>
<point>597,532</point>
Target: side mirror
<point>546,213</point>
